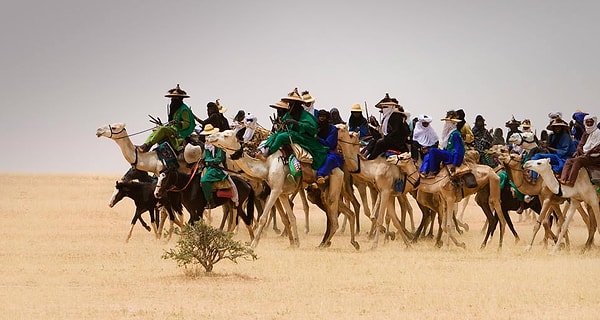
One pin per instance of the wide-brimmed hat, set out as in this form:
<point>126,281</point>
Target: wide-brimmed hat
<point>557,123</point>
<point>307,97</point>
<point>526,123</point>
<point>356,108</point>
<point>209,129</point>
<point>222,109</point>
<point>176,92</point>
<point>512,122</point>
<point>293,96</point>
<point>387,102</point>
<point>451,115</point>
<point>280,105</point>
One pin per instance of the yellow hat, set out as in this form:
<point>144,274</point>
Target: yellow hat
<point>176,92</point>
<point>280,105</point>
<point>209,129</point>
<point>307,97</point>
<point>293,96</point>
<point>356,108</point>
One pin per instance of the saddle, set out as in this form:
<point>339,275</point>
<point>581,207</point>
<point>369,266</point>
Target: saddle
<point>464,174</point>
<point>167,155</point>
<point>594,173</point>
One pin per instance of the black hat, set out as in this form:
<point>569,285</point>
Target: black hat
<point>479,118</point>
<point>461,114</point>
<point>176,93</point>
<point>240,116</point>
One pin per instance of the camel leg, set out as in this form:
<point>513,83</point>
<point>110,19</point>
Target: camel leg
<point>275,193</point>
<point>351,216</point>
<point>293,228</point>
<point>461,215</point>
<point>384,197</point>
<point>284,219</point>
<point>536,227</point>
<point>306,210</point>
<point>564,227</point>
<point>362,191</point>
<point>391,212</point>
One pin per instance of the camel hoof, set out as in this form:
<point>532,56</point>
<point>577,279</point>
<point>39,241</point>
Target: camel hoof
<point>355,245</point>
<point>277,231</point>
<point>462,245</point>
<point>439,244</point>
<point>459,231</point>
<point>147,228</point>
<point>517,239</point>
<point>482,246</point>
<point>466,226</point>
<point>528,248</point>
<point>392,235</point>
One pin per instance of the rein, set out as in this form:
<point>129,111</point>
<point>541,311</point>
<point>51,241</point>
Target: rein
<point>127,135</point>
<point>174,187</point>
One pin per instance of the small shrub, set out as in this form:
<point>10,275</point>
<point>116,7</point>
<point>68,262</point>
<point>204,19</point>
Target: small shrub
<point>202,244</point>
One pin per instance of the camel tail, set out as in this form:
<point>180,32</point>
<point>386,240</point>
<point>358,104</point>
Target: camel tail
<point>249,216</point>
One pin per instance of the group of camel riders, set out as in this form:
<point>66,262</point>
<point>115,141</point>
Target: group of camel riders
<point>569,146</point>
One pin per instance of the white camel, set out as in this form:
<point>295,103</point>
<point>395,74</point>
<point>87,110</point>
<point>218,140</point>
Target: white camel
<point>583,190</point>
<point>275,173</point>
<point>145,161</point>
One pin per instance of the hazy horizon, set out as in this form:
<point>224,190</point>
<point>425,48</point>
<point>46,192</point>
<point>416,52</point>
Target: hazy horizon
<point>70,67</point>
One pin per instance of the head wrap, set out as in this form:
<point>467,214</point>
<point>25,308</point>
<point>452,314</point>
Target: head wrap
<point>594,134</point>
<point>251,122</point>
<point>425,136</point>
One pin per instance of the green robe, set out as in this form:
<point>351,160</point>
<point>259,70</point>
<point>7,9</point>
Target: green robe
<point>212,173</point>
<point>175,133</point>
<point>305,134</point>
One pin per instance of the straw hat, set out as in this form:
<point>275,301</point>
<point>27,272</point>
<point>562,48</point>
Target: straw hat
<point>280,105</point>
<point>293,96</point>
<point>526,123</point>
<point>356,108</point>
<point>222,109</point>
<point>209,129</point>
<point>557,123</point>
<point>451,116</point>
<point>176,92</point>
<point>307,97</point>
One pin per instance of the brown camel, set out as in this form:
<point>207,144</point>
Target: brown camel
<point>452,191</point>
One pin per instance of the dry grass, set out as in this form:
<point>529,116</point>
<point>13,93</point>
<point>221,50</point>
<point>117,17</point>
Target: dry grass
<point>64,256</point>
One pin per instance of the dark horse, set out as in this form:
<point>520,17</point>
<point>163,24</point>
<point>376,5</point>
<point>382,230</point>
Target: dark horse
<point>193,200</point>
<point>142,194</point>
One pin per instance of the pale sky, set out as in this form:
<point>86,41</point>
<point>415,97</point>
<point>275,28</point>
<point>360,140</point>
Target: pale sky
<point>69,67</point>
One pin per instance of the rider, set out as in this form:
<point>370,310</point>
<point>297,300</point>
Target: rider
<point>328,136</point>
<point>453,151</point>
<point>301,129</point>
<point>394,128</point>
<point>181,123</point>
<point>357,122</point>
<point>213,163</point>
<point>424,137</point>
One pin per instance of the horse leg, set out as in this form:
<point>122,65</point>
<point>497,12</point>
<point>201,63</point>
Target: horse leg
<point>136,216</point>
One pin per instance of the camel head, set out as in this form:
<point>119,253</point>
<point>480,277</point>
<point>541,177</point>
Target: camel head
<point>111,131</point>
<point>346,138</point>
<point>524,139</point>
<point>225,140</point>
<point>540,166</point>
<point>500,151</point>
<point>400,159</point>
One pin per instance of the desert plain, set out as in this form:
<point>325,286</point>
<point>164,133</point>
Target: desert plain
<point>64,256</point>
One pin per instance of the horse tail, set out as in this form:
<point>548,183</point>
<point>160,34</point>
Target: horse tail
<point>249,216</point>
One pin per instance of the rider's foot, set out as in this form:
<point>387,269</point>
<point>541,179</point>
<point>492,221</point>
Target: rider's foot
<point>143,148</point>
<point>320,180</point>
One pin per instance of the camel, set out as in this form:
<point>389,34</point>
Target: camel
<point>512,164</point>
<point>451,192</point>
<point>145,161</point>
<point>583,190</point>
<point>376,172</point>
<point>275,173</point>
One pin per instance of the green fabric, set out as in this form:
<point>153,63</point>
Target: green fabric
<point>504,178</point>
<point>185,121</point>
<point>212,173</point>
<point>305,134</point>
<point>165,133</point>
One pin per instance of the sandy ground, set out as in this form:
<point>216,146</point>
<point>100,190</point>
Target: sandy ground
<point>64,256</point>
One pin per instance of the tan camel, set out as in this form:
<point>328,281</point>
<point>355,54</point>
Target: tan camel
<point>451,193</point>
<point>376,172</point>
<point>275,173</point>
<point>512,165</point>
<point>145,161</point>
<point>583,190</point>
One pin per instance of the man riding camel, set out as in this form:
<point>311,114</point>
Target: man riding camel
<point>453,149</point>
<point>394,129</point>
<point>181,123</point>
<point>300,127</point>
<point>328,136</point>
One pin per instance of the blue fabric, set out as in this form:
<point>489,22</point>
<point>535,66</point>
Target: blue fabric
<point>333,159</point>
<point>556,162</point>
<point>454,154</point>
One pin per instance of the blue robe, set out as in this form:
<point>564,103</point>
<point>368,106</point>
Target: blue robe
<point>453,154</point>
<point>333,159</point>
